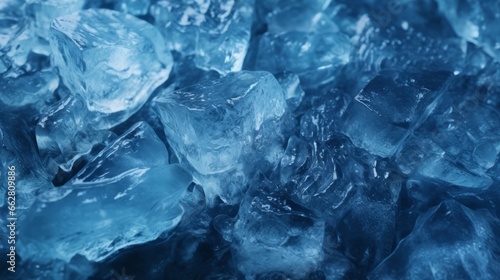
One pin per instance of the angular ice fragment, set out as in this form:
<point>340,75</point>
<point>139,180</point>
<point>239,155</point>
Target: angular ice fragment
<point>114,61</point>
<point>126,195</point>
<point>389,107</point>
<point>314,57</point>
<point>272,233</point>
<point>459,142</point>
<point>217,32</point>
<point>291,86</point>
<point>476,21</point>
<point>43,12</point>
<point>28,89</point>
<point>222,128</point>
<point>450,241</point>
<point>68,132</point>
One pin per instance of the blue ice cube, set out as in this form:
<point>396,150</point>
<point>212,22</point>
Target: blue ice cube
<point>126,195</point>
<point>450,241</point>
<point>314,57</point>
<point>223,128</point>
<point>271,226</point>
<point>114,61</point>
<point>216,32</point>
<point>476,21</point>
<point>389,107</point>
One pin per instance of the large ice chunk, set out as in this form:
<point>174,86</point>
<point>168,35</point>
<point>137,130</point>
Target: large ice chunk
<point>450,241</point>
<point>113,60</point>
<point>128,194</point>
<point>271,226</point>
<point>476,21</point>
<point>222,128</point>
<point>217,32</point>
<point>387,109</point>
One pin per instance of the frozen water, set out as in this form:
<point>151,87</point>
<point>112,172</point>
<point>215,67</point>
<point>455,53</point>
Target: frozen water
<point>28,89</point>
<point>68,132</point>
<point>42,12</point>
<point>388,108</point>
<point>291,86</point>
<point>222,128</point>
<point>134,7</point>
<point>450,241</point>
<point>314,57</point>
<point>113,70</point>
<point>308,15</point>
<point>126,195</point>
<point>217,32</point>
<point>459,142</point>
<point>273,227</point>
<point>476,21</point>
<point>17,149</point>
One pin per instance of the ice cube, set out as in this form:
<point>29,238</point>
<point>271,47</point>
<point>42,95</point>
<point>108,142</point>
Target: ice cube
<point>225,128</point>
<point>114,61</point>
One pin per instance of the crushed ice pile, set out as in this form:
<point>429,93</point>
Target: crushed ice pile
<point>251,139</point>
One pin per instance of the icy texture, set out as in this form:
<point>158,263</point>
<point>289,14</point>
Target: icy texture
<point>475,21</point>
<point>314,57</point>
<point>114,70</point>
<point>448,242</point>
<point>17,149</point>
<point>217,32</point>
<point>134,7</point>
<point>291,86</point>
<point>223,128</point>
<point>304,139</point>
<point>67,132</point>
<point>273,227</point>
<point>43,12</point>
<point>28,89</point>
<point>460,142</point>
<point>387,109</point>
<point>127,194</point>
<point>308,16</point>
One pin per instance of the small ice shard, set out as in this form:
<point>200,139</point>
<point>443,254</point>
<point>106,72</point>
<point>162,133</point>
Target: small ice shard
<point>126,195</point>
<point>225,129</point>
<point>450,241</point>
<point>475,21</point>
<point>285,236</point>
<point>42,12</point>
<point>291,86</point>
<point>114,61</point>
<point>217,32</point>
<point>389,107</point>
